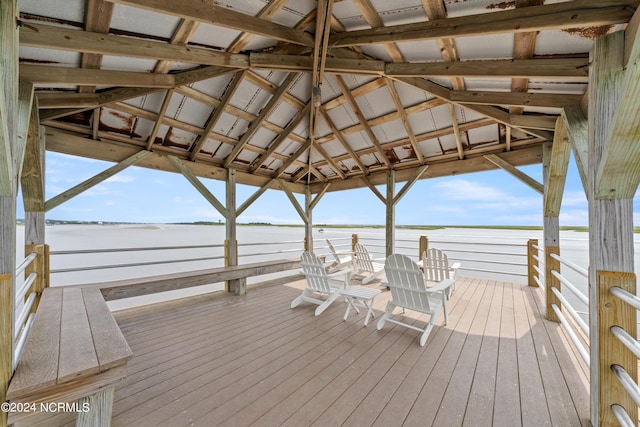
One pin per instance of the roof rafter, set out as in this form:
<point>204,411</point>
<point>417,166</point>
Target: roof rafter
<point>98,15</point>
<point>264,113</point>
<point>286,133</point>
<point>215,116</point>
<point>340,137</point>
<point>405,119</point>
<point>363,121</point>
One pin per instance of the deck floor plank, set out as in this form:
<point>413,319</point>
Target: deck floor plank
<point>399,407</point>
<point>535,411</point>
<point>430,400</point>
<point>479,411</point>
<point>252,360</point>
<point>507,399</point>
<point>454,402</point>
<point>567,393</point>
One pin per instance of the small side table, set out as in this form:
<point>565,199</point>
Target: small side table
<point>362,297</point>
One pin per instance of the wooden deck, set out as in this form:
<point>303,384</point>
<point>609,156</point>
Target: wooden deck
<point>252,360</point>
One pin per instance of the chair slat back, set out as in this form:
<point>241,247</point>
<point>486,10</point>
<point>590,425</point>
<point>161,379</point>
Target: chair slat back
<point>406,282</point>
<point>315,272</point>
<point>435,265</point>
<point>362,258</point>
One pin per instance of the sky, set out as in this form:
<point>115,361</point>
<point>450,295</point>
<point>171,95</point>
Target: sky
<point>149,196</point>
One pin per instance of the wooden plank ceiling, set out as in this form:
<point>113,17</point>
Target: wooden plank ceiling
<point>308,92</point>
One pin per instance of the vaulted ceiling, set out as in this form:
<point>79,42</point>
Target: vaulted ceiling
<point>331,92</point>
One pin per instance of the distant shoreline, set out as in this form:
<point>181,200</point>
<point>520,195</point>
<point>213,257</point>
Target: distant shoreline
<point>578,228</point>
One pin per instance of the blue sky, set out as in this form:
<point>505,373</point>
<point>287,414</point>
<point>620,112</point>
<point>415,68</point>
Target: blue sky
<point>145,195</point>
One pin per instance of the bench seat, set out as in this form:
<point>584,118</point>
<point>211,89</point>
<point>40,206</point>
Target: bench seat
<point>75,351</point>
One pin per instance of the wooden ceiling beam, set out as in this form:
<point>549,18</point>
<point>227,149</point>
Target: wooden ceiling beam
<point>291,63</point>
<point>525,68</point>
<point>78,76</point>
<point>60,38</point>
<point>220,16</point>
<point>565,15</point>
<point>439,168</point>
<point>520,99</point>
<point>120,94</point>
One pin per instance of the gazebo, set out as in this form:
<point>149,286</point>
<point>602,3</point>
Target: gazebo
<point>310,97</point>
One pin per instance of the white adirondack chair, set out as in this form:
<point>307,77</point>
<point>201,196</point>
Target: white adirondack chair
<point>409,291</point>
<point>363,264</point>
<point>342,259</point>
<point>436,268</point>
<point>320,283</point>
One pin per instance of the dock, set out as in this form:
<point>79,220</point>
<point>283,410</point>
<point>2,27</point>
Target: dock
<point>220,359</point>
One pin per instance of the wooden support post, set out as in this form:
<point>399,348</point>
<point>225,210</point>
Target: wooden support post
<point>100,408</point>
<point>551,281</point>
<point>8,186</point>
<point>532,252</point>
<point>355,239</point>
<point>423,246</point>
<point>308,225</point>
<point>239,286</point>
<point>614,312</point>
<point>391,214</point>
<point>610,221</point>
<point>6,338</point>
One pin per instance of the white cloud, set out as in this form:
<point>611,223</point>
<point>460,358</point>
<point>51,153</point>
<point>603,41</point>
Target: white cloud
<point>462,189</point>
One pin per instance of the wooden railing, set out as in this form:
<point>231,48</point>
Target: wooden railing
<point>618,348</point>
<point>35,268</point>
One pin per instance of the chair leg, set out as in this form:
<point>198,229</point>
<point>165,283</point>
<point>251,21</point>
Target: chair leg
<point>322,307</point>
<point>296,302</point>
<point>427,331</point>
<point>387,314</point>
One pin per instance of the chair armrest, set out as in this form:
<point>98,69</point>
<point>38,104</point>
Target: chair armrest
<point>442,286</point>
<point>455,266</point>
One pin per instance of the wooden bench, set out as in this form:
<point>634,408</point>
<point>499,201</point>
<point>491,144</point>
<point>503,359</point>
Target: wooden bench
<point>75,352</point>
<point>168,282</point>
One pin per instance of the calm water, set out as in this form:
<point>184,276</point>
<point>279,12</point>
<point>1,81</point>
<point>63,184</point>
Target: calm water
<point>258,243</point>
